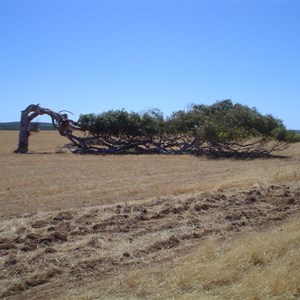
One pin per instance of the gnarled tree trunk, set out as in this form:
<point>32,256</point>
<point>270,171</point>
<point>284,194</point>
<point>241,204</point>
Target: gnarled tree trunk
<point>59,121</point>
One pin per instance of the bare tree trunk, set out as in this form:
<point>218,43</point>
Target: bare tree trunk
<point>59,121</point>
<point>27,116</point>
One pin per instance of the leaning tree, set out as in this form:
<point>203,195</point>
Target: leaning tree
<point>222,129</point>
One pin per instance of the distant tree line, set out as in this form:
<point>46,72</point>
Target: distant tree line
<point>221,129</point>
<point>34,126</point>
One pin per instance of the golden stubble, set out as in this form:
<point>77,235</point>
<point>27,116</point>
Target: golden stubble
<point>52,178</point>
<point>146,226</point>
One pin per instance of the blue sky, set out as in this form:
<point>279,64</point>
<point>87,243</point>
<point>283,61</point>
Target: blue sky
<point>92,56</point>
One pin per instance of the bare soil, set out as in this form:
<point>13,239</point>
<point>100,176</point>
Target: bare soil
<point>44,253</point>
<point>68,221</point>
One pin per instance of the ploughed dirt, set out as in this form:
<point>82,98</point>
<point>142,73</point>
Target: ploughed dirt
<point>43,254</point>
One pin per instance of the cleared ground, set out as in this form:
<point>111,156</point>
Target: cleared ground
<point>121,220</point>
<point>51,178</point>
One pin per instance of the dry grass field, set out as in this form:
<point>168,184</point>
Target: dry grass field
<point>146,227</point>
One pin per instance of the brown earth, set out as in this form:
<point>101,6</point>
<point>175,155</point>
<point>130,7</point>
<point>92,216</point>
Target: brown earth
<point>70,221</point>
<point>44,253</point>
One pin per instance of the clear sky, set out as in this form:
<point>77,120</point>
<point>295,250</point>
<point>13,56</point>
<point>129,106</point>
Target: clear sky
<point>92,56</point>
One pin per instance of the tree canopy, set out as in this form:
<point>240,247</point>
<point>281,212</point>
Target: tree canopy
<point>220,129</point>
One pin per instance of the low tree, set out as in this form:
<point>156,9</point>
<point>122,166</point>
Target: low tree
<point>221,129</point>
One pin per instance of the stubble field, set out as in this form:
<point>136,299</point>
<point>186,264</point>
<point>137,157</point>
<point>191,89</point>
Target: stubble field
<point>155,226</point>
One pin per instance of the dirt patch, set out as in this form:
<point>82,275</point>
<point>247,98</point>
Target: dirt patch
<point>92,243</point>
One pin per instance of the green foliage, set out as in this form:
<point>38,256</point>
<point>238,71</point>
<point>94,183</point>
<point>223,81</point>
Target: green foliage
<point>222,125</point>
<point>225,122</point>
<point>281,134</point>
<point>221,122</point>
<point>124,124</point>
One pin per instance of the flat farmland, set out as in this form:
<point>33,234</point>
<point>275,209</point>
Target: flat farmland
<point>51,178</point>
<point>81,226</point>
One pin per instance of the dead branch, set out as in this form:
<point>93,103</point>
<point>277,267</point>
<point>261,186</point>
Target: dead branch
<point>60,121</point>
